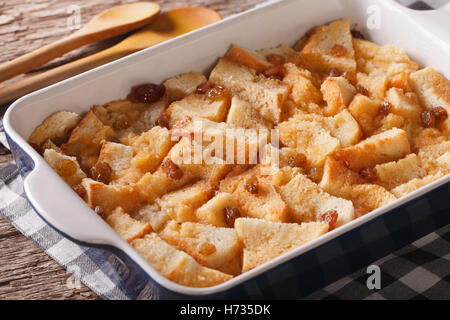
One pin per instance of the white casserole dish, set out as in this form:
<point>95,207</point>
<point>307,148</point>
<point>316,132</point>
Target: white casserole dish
<point>423,35</point>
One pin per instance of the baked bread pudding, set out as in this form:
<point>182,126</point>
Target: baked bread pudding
<point>208,178</point>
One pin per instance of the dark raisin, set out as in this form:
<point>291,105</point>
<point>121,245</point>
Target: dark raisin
<point>385,108</point>
<point>338,51</point>
<point>80,190</point>
<point>148,93</point>
<point>330,217</point>
<point>439,113</point>
<point>351,77</point>
<point>231,214</point>
<point>334,72</point>
<point>162,122</point>
<point>122,122</point>
<point>36,147</point>
<point>428,119</point>
<point>252,186</point>
<point>362,90</point>
<point>275,72</point>
<point>276,59</point>
<point>101,172</point>
<point>369,174</point>
<point>297,161</point>
<point>99,210</point>
<point>172,170</point>
<point>358,35</point>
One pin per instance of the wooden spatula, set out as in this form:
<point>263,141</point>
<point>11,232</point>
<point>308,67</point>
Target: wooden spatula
<point>166,26</point>
<point>110,23</point>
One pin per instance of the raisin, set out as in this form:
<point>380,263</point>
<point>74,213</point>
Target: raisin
<point>252,186</point>
<point>231,214</point>
<point>80,190</point>
<point>297,161</point>
<point>172,170</point>
<point>385,108</point>
<point>122,122</point>
<point>362,90</point>
<point>204,88</point>
<point>162,122</point>
<point>207,249</point>
<point>338,51</point>
<point>334,72</point>
<point>439,113</point>
<point>36,147</point>
<point>66,168</point>
<point>148,93</point>
<point>369,174</point>
<point>275,72</point>
<point>358,35</point>
<point>330,217</point>
<point>99,210</point>
<point>218,93</point>
<point>351,77</point>
<point>315,174</point>
<point>428,119</point>
<point>276,59</point>
<point>101,172</point>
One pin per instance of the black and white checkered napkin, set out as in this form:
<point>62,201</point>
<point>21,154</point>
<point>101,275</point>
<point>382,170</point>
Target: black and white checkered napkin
<point>418,271</point>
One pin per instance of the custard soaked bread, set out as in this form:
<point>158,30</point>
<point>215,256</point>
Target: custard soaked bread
<point>211,175</point>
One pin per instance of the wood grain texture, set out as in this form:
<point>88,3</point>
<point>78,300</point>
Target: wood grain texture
<point>25,271</point>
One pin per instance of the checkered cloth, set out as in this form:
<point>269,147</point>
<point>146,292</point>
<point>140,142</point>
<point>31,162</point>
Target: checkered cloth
<point>418,271</point>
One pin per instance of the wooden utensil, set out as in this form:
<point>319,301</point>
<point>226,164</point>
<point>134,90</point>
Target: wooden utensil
<point>110,23</point>
<point>166,26</point>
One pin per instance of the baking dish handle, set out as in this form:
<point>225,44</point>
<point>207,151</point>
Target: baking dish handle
<point>48,193</point>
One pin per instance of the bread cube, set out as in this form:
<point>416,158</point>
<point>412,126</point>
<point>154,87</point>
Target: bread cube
<point>429,156</point>
<point>212,247</point>
<point>309,138</point>
<point>365,112</point>
<point>400,81</point>
<point>66,167</point>
<point>176,265</point>
<point>86,140</point>
<point>248,58</point>
<point>376,85</point>
<point>109,197</point>
<point>404,105</point>
<point>266,95</point>
<point>300,83</point>
<point>264,240</point>
<point>393,174</point>
<point>183,85</point>
<point>243,114</point>
<point>414,184</point>
<point>444,162</point>
<point>376,60</point>
<point>127,227</point>
<point>330,46</point>
<point>213,211</point>
<point>181,205</point>
<point>152,214</point>
<point>338,93</point>
<point>116,155</point>
<point>384,147</point>
<point>282,50</point>
<point>344,127</point>
<point>56,127</point>
<point>197,106</point>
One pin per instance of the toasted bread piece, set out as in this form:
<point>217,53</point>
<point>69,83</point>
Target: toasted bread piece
<point>338,93</point>
<point>152,214</point>
<point>410,186</point>
<point>117,156</point>
<point>308,138</point>
<point>404,104</point>
<point>330,46</point>
<point>248,58</point>
<point>200,106</point>
<point>212,247</point>
<point>128,117</point>
<point>256,196</point>
<point>307,202</point>
<point>55,127</point>
<point>428,156</point>
<point>432,88</point>
<point>176,265</point>
<point>289,54</point>
<point>86,140</point>
<point>48,144</point>
<point>127,227</point>
<point>400,81</point>
<point>345,128</point>
<point>387,146</point>
<point>300,82</point>
<point>393,174</point>
<point>365,112</point>
<point>264,240</point>
<point>213,211</point>
<point>386,60</point>
<point>376,85</point>
<point>109,197</point>
<point>66,167</point>
<point>183,85</point>
<point>243,114</point>
<point>266,95</point>
<point>444,162</point>
<point>181,205</point>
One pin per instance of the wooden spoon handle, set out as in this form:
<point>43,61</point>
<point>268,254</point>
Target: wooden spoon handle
<point>41,56</point>
<point>20,88</point>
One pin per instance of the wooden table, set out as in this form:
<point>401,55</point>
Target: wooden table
<point>25,271</point>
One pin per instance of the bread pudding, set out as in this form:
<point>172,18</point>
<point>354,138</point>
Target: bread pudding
<point>210,177</point>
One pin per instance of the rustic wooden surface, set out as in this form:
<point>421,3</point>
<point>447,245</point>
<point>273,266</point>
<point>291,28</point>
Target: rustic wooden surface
<point>25,271</point>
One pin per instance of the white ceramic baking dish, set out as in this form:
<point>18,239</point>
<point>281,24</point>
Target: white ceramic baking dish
<point>424,36</point>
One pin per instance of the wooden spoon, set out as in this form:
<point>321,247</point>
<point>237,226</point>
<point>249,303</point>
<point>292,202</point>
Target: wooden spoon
<point>166,26</point>
<point>110,23</point>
